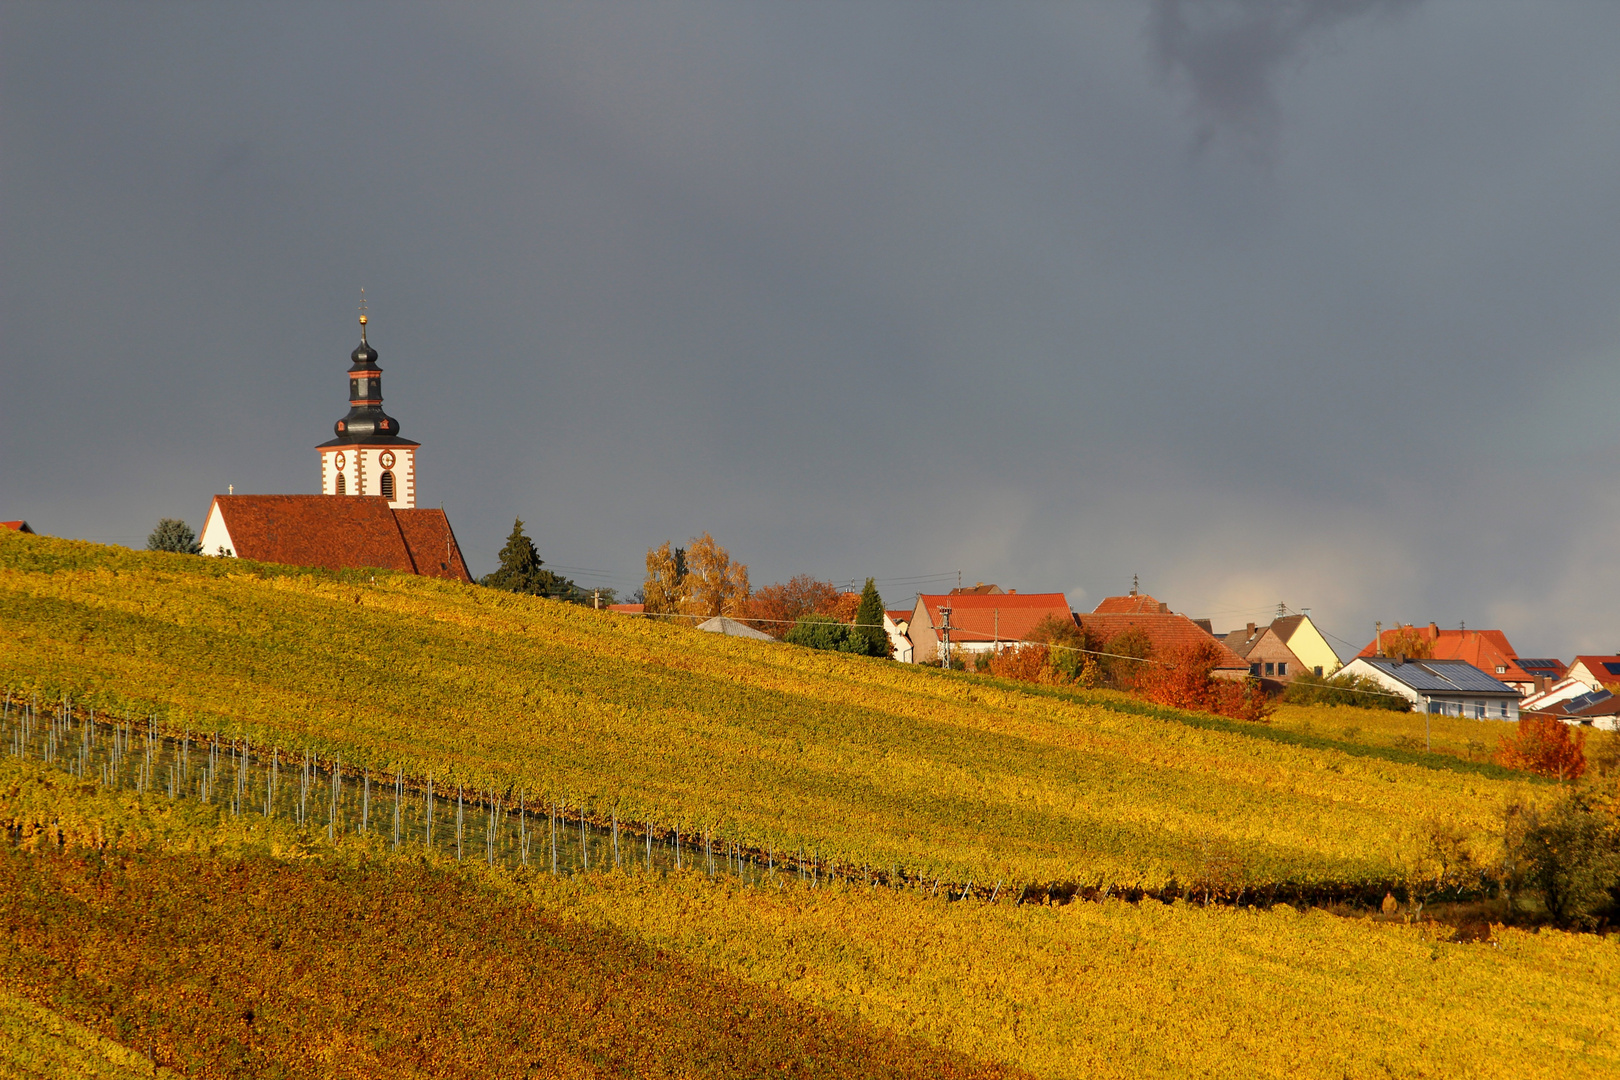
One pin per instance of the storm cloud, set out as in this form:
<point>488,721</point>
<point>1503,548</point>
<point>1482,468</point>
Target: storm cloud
<point>1267,302</point>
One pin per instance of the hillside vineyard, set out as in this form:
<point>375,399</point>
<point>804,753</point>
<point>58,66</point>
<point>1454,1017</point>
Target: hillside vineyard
<point>877,768</point>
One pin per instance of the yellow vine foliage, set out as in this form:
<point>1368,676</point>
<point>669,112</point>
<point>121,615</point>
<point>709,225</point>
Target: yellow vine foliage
<point>871,763</point>
<point>194,930</point>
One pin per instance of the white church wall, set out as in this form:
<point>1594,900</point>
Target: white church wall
<point>216,538</point>
<point>362,468</point>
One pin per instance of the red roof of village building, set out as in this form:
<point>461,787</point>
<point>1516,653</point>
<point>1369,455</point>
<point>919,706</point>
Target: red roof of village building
<point>1605,669</point>
<point>16,526</point>
<point>1488,650</point>
<point>1169,632</point>
<point>341,532</point>
<point>994,616</point>
<point>1135,603</point>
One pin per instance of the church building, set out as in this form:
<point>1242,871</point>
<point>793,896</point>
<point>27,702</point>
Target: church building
<point>366,514</point>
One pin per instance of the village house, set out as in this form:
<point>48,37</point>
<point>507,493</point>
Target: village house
<point>1487,650</point>
<point>897,625</point>
<point>1597,672</point>
<point>1444,687</point>
<point>1288,646</point>
<point>1168,632</point>
<point>979,621</point>
<point>1575,701</point>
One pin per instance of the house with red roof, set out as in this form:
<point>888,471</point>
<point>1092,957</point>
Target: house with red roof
<point>17,526</point>
<point>897,625</point>
<point>1596,671</point>
<point>1167,631</point>
<point>979,621</point>
<point>1488,650</point>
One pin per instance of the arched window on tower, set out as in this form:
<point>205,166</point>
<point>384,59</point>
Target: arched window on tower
<point>343,484</point>
<point>388,484</point>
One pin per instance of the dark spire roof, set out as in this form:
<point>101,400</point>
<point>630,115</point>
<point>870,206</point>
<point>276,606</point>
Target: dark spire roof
<point>366,422</point>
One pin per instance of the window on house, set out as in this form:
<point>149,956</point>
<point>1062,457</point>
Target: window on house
<point>1254,669</point>
<point>1479,710</point>
<point>1318,670</point>
<point>1501,669</point>
<point>1282,667</point>
<point>343,484</point>
<point>1271,669</point>
<point>1503,706</point>
<point>388,485</point>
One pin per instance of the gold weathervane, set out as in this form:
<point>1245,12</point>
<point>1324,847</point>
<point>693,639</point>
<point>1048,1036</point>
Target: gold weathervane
<point>363,319</point>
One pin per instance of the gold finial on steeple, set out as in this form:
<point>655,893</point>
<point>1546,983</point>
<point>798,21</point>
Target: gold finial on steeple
<point>363,319</point>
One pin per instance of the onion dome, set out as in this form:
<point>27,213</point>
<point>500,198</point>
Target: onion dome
<point>366,421</point>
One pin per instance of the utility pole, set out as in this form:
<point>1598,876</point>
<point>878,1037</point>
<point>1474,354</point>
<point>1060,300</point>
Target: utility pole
<point>1378,628</point>
<point>945,637</point>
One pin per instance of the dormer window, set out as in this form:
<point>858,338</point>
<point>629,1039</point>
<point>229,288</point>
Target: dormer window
<point>1501,669</point>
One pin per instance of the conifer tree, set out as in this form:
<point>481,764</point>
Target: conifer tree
<point>869,622</point>
<point>523,571</point>
<point>172,534</point>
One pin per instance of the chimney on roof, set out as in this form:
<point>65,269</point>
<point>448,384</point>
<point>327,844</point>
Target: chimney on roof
<point>1401,659</point>
<point>1251,629</point>
<point>1434,631</point>
<point>1540,683</point>
<point>1011,591</point>
<point>1164,608</point>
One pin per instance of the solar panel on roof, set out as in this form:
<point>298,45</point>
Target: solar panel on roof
<point>1614,669</point>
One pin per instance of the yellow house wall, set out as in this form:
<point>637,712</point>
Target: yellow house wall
<point>1312,648</point>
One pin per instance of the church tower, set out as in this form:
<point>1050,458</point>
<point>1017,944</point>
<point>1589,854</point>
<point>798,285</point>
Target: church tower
<point>368,457</point>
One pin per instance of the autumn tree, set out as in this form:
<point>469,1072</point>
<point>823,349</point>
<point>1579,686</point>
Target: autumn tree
<point>664,590</point>
<point>1185,679</point>
<point>1053,653</point>
<point>1546,746</point>
<point>1407,641</point>
<point>1121,659</point>
<point>1068,652</point>
<point>776,608</point>
<point>713,584</point>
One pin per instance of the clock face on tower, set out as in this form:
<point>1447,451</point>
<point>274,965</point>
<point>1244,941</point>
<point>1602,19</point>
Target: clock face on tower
<point>387,459</point>
<point>341,460</point>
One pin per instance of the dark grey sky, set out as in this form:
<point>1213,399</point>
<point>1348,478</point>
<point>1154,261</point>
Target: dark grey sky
<point>1277,300</point>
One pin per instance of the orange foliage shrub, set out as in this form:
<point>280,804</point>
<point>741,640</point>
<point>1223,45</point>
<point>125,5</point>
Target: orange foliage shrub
<point>843,607</point>
<point>1029,663</point>
<point>777,607</point>
<point>1545,746</point>
<point>1185,680</point>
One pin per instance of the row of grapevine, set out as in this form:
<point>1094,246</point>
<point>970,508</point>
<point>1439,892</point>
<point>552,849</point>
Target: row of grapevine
<point>322,797</point>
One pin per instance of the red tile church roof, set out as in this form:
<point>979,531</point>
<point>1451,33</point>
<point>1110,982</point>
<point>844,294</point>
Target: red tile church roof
<point>341,532</point>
